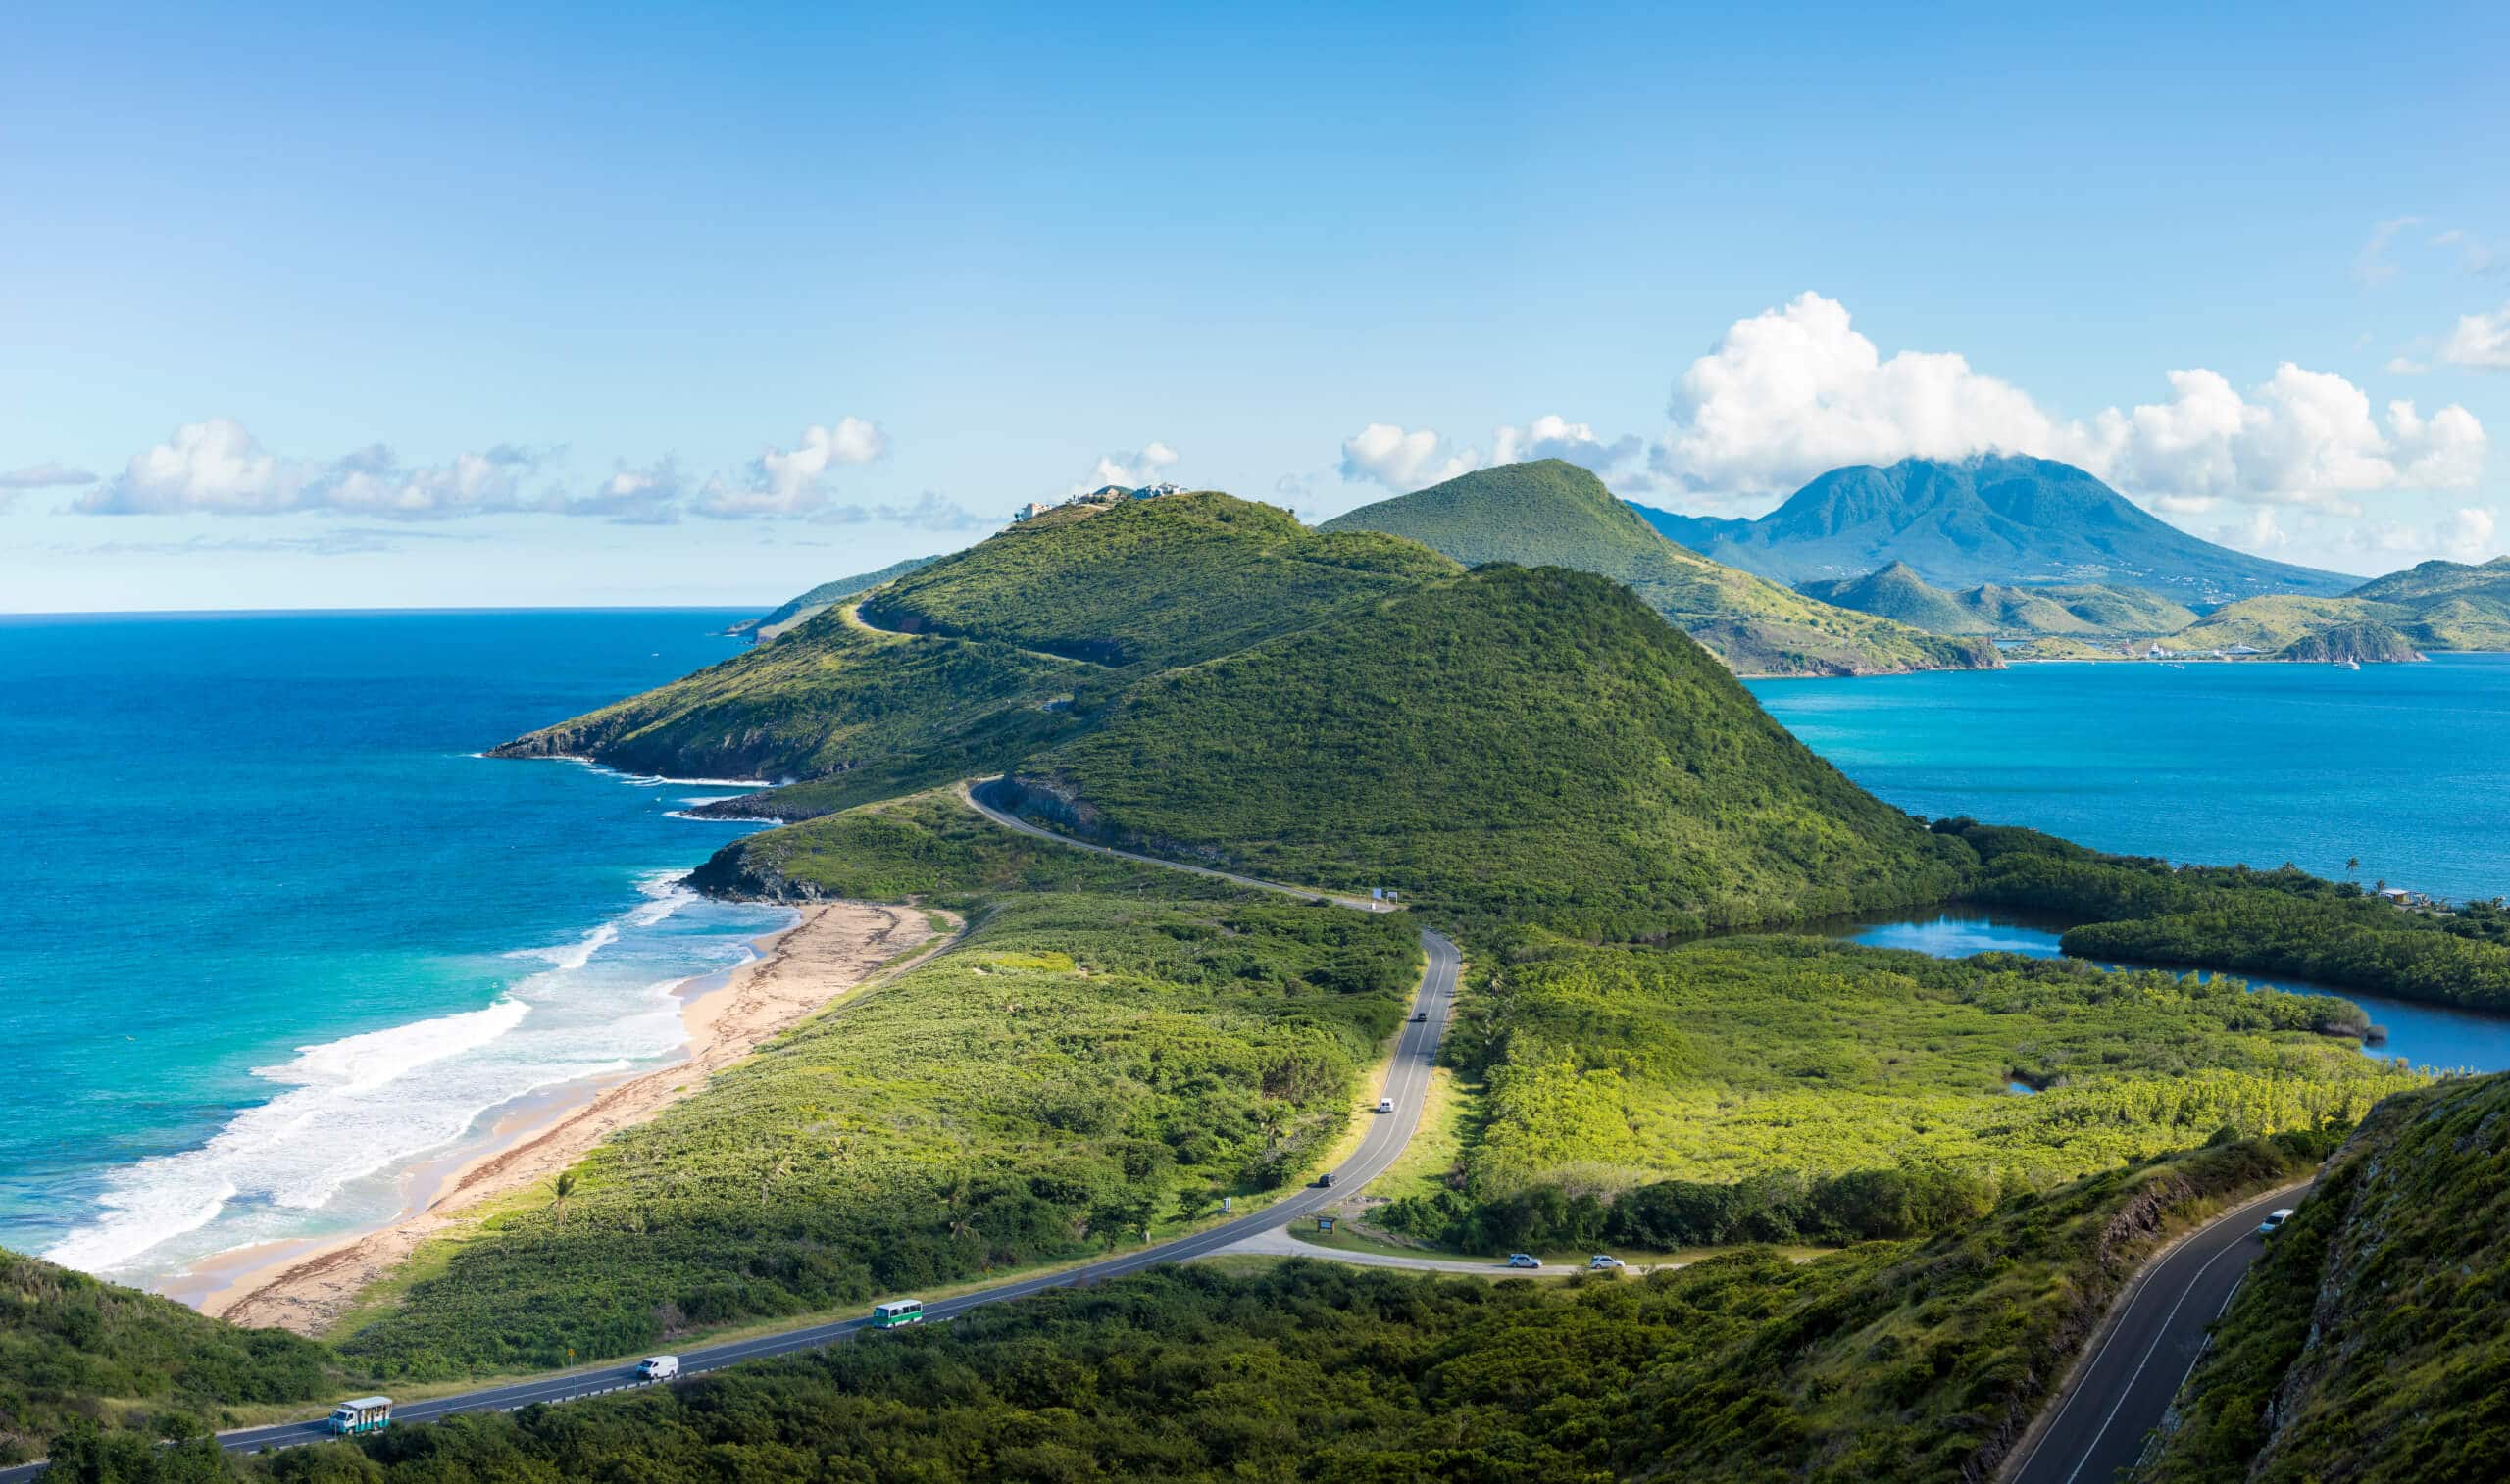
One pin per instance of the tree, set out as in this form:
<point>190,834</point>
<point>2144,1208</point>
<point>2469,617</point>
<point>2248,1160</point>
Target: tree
<point>1276,1117</point>
<point>562,1187</point>
<point>2352,865</point>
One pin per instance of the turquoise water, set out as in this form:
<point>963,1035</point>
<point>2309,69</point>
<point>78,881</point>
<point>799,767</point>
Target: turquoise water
<point>276,934</point>
<point>2427,1035</point>
<point>2406,767</point>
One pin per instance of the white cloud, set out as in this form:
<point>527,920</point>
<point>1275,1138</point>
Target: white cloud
<point>1403,461</point>
<point>2475,255</point>
<point>2469,533</point>
<point>1790,392</point>
<point>218,467</point>
<point>931,512</point>
<point>2405,366</point>
<point>2482,341</point>
<point>2372,266</point>
<point>791,481</point>
<point>2260,532</point>
<point>45,476</point>
<point>1129,468</point>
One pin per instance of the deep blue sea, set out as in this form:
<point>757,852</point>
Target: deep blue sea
<point>275,932</point>
<point>2406,767</point>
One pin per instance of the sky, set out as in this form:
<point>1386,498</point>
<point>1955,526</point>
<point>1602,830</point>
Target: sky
<point>519,305</point>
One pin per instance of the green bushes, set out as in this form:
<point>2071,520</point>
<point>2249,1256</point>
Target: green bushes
<point>68,1343</point>
<point>1798,1089</point>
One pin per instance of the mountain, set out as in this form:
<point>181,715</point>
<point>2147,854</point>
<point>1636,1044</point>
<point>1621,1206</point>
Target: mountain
<point>2437,605</point>
<point>2349,644</point>
<point>1992,519</point>
<point>823,597</point>
<point>2371,1340</point>
<point>2068,610</point>
<point>1529,743</point>
<point>984,656</point>
<point>1555,514</point>
<point>73,1348</point>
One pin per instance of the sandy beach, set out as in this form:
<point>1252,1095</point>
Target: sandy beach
<point>305,1286</point>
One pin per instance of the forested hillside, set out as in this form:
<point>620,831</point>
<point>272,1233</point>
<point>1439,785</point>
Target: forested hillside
<point>1531,745</point>
<point>1555,514</point>
<point>820,599</point>
<point>2372,1341</point>
<point>2061,609</point>
<point>73,1350</point>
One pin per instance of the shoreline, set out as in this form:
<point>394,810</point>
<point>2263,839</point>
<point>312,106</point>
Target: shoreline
<point>306,1284</point>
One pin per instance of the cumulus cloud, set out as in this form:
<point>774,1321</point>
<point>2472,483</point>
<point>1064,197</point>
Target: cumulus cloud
<point>1792,391</point>
<point>791,481</point>
<point>1129,468</point>
<point>2470,532</point>
<point>220,467</point>
<point>1403,460</point>
<point>2482,341</point>
<point>45,476</point>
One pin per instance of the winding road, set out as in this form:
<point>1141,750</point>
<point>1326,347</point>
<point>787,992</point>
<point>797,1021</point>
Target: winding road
<point>1407,1082</point>
<point>2154,1334</point>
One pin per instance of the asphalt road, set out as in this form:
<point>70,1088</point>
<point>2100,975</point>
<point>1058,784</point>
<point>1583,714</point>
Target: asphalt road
<point>1407,1082</point>
<point>2123,1389</point>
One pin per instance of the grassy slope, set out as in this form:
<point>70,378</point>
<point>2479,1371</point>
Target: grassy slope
<point>1092,1055</point>
<point>73,1347</point>
<point>1556,514</point>
<point>2373,1339</point>
<point>1529,744</point>
<point>2360,643</point>
<point>1160,582</point>
<point>1008,631</point>
<point>810,605</point>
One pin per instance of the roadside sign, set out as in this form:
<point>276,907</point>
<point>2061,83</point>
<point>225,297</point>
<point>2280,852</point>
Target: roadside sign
<point>1324,1223</point>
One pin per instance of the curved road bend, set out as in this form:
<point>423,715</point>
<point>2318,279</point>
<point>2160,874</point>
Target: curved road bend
<point>2120,1391</point>
<point>1407,1080</point>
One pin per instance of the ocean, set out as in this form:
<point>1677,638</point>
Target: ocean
<point>2405,768</point>
<point>275,932</point>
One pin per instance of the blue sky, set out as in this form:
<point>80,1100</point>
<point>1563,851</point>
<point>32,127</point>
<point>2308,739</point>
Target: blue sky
<point>617,306</point>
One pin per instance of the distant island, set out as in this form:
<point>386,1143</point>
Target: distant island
<point>1994,519</point>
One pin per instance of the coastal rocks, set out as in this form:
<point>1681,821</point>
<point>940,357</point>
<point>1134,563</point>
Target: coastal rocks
<point>2350,644</point>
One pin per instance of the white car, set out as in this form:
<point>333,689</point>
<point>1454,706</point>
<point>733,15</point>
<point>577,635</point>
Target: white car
<point>1603,1261</point>
<point>1524,1260</point>
<point>2273,1222</point>
<point>1385,1104</point>
<point>658,1367</point>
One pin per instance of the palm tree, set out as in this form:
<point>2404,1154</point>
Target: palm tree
<point>1276,1118</point>
<point>2352,865</point>
<point>563,1187</point>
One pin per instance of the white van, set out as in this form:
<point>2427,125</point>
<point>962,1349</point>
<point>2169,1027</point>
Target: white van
<point>1385,1104</point>
<point>658,1367</point>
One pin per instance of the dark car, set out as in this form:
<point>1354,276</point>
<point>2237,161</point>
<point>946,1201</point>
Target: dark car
<point>1419,1017</point>
<point>1326,1178</point>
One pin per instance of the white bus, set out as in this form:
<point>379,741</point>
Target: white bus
<point>361,1414</point>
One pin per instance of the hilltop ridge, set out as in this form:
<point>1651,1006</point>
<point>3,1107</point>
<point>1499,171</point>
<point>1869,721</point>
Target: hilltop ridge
<point>2065,609</point>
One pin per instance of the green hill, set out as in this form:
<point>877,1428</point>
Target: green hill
<point>1992,519</point>
<point>2437,605</point>
<point>823,597</point>
<point>2372,1341</point>
<point>2082,611</point>
<point>73,1349</point>
<point>1556,514</point>
<point>2350,644</point>
<point>1167,581</point>
<point>1533,743</point>
<point>999,651</point>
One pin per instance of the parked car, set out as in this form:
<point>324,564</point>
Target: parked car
<point>2273,1222</point>
<point>1524,1260</point>
<point>658,1367</point>
<point>1385,1104</point>
<point>1603,1261</point>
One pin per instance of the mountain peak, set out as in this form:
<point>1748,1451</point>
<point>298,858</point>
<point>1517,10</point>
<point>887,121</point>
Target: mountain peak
<point>1992,517</point>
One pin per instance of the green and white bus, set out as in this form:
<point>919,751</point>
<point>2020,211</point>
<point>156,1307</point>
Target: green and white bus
<point>361,1414</point>
<point>899,1312</point>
